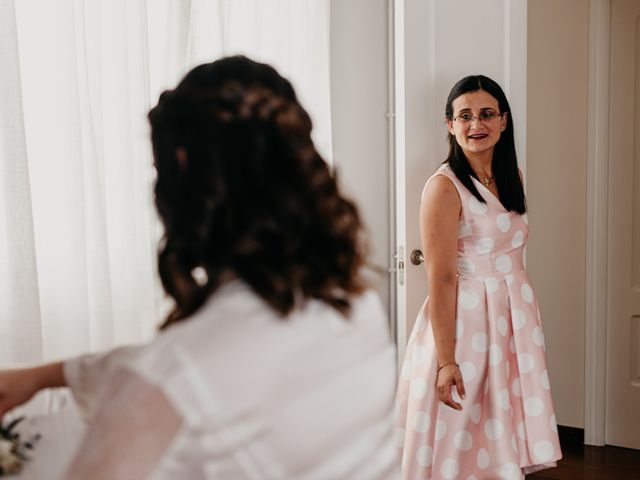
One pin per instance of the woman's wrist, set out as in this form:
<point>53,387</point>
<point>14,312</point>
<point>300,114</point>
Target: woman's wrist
<point>447,364</point>
<point>50,375</point>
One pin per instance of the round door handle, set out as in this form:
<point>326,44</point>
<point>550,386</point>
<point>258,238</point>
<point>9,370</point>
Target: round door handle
<point>417,257</point>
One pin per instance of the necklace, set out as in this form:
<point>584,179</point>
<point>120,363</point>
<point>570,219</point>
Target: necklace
<point>487,181</point>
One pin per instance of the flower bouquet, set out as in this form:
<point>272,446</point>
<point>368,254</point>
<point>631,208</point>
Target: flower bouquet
<point>13,450</point>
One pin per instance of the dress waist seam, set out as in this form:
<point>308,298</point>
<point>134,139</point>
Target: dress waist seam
<point>490,275</point>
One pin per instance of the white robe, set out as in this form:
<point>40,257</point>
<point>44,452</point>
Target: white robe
<point>236,392</point>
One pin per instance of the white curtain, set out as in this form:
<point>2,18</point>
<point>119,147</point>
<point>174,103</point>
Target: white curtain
<point>78,232</point>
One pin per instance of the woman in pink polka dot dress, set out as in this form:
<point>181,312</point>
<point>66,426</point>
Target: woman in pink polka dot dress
<point>474,400</point>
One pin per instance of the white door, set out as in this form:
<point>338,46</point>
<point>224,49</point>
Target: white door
<point>623,332</point>
<point>437,42</point>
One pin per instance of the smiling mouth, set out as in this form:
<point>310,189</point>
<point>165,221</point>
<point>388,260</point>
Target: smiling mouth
<point>478,136</point>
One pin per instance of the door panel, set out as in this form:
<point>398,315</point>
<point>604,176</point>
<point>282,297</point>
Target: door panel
<point>623,300</point>
<point>437,43</point>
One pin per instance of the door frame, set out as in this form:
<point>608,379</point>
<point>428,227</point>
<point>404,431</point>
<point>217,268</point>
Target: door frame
<point>597,222</point>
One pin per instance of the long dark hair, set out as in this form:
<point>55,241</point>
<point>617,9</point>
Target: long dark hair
<point>243,193</point>
<point>504,164</point>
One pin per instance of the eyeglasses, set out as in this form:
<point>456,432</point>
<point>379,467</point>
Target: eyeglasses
<point>485,116</point>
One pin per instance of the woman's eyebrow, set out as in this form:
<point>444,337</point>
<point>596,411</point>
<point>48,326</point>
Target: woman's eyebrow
<point>469,109</point>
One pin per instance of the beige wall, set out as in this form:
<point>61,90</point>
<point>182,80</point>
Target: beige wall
<point>556,188</point>
<point>359,105</point>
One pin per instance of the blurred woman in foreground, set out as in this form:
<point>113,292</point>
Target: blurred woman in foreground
<point>275,361</point>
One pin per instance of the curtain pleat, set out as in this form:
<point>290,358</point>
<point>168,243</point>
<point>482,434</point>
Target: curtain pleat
<point>78,230</point>
<point>20,321</point>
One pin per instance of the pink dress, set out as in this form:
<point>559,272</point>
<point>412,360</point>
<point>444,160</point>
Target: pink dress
<point>507,427</point>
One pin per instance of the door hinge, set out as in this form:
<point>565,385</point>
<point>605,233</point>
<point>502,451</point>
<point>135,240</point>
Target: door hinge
<point>399,265</point>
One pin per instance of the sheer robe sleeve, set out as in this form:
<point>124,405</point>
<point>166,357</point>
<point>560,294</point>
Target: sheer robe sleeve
<point>88,374</point>
<point>134,424</point>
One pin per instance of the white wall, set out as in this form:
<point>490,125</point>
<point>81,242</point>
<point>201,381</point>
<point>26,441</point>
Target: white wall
<point>359,106</point>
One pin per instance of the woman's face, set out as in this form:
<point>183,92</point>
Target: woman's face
<point>476,124</point>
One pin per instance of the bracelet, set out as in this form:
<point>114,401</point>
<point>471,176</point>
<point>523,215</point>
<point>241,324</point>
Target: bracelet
<point>444,365</point>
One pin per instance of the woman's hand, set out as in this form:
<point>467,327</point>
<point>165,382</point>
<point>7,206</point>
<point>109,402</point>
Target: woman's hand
<point>18,386</point>
<point>449,376</point>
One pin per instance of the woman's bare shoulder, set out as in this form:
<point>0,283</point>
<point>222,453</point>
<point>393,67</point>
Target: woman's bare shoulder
<point>441,190</point>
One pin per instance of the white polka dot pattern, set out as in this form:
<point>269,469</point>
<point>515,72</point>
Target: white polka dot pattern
<point>483,460</point>
<point>476,206</point>
<point>510,471</point>
<point>518,239</point>
<point>504,224</point>
<point>527,293</point>
<point>534,406</point>
<point>495,355</point>
<point>544,380</point>
<point>421,422</point>
<point>543,450</point>
<point>503,264</point>
<point>484,245</point>
<point>463,440</point>
<point>502,325</point>
<point>493,429</point>
<point>450,468</point>
<point>553,424</point>
<point>475,413</point>
<point>469,299</point>
<point>503,399</point>
<point>491,284</point>
<point>468,370</point>
<point>441,429</point>
<point>479,342</point>
<point>424,455</point>
<point>519,319</point>
<point>464,229</point>
<point>516,389</point>
<point>537,336</point>
<point>466,266</point>
<point>459,329</point>
<point>418,388</point>
<point>526,362</point>
<point>499,344</point>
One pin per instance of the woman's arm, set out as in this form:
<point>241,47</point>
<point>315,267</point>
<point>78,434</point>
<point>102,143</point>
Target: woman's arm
<point>18,386</point>
<point>439,217</point>
<point>85,375</point>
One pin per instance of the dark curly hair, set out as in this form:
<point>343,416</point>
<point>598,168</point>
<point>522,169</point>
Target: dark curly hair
<point>243,193</point>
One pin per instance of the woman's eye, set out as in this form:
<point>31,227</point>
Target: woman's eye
<point>466,116</point>
<point>487,114</point>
